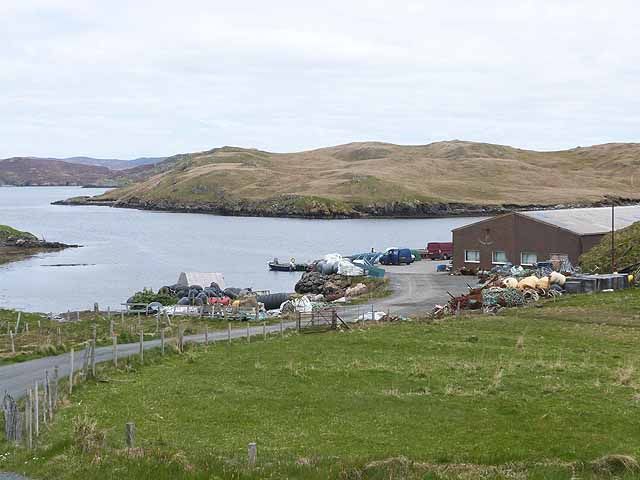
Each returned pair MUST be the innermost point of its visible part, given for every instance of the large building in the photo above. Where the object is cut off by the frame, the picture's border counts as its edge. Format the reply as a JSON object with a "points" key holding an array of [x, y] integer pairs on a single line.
{"points": [[524, 238]]}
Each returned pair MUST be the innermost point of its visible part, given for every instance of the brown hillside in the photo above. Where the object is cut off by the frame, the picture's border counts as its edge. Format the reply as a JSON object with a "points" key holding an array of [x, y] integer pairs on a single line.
{"points": [[349, 176]]}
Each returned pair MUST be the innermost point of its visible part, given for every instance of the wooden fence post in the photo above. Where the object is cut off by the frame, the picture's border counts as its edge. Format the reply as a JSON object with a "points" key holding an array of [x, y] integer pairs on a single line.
{"points": [[130, 434], [252, 453], [13, 343], [281, 328], [141, 346], [45, 401], [162, 341], [114, 348], [18, 322], [49, 395], [71, 372], [229, 332], [264, 330], [248, 333], [28, 414], [36, 410], [55, 386], [93, 352]]}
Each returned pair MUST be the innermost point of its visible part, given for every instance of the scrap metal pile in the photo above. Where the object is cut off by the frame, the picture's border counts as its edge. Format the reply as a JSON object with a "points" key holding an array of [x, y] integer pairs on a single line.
{"points": [[500, 292]]}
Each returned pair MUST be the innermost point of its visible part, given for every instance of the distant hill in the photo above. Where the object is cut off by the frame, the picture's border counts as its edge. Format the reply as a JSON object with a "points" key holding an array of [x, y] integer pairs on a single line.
{"points": [[114, 164], [382, 179], [74, 171], [37, 171]]}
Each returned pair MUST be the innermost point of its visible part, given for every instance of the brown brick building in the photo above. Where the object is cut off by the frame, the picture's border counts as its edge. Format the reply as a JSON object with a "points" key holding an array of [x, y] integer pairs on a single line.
{"points": [[524, 238]]}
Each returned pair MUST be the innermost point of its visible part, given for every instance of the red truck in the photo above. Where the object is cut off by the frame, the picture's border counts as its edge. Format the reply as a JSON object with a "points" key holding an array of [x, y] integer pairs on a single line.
{"points": [[439, 250]]}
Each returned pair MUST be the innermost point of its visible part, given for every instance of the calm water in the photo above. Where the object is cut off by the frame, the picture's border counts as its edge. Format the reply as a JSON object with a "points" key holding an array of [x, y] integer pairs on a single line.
{"points": [[128, 249]]}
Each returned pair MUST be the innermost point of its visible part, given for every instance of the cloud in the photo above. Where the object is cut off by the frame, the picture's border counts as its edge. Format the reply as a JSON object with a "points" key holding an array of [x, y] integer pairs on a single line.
{"points": [[125, 78]]}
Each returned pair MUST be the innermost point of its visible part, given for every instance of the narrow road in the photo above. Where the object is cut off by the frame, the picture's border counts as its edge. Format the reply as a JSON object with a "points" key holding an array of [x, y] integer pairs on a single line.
{"points": [[417, 288]]}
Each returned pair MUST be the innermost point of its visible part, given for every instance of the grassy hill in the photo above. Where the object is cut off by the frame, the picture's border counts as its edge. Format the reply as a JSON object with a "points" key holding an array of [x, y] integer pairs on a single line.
{"points": [[540, 393], [380, 179], [626, 248]]}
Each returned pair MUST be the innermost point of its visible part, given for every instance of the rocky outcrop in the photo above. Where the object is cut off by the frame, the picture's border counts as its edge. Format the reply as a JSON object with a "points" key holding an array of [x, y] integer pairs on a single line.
{"points": [[16, 245]]}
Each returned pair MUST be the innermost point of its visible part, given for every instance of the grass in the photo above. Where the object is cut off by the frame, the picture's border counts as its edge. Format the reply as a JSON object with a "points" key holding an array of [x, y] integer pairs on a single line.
{"points": [[7, 232], [535, 393]]}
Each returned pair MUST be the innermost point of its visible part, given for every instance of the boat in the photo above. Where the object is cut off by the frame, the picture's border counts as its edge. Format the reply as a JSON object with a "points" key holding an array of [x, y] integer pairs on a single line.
{"points": [[292, 266]]}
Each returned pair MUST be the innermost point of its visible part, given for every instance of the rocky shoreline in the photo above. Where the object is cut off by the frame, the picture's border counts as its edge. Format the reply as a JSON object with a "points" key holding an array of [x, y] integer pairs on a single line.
{"points": [[304, 207]]}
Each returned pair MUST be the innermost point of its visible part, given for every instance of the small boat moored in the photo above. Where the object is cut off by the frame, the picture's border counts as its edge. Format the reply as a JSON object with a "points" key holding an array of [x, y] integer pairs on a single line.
{"points": [[292, 266]]}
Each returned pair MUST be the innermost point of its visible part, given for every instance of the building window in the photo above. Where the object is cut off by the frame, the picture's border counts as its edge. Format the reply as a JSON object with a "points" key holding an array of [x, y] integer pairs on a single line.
{"points": [[528, 258], [499, 257], [472, 256]]}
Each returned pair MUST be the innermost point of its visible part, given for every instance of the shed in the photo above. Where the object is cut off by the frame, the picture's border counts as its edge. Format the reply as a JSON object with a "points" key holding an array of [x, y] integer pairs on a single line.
{"points": [[524, 238], [204, 279]]}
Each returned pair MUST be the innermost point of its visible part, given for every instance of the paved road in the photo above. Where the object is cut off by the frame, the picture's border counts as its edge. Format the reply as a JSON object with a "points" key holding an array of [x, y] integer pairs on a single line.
{"points": [[417, 288]]}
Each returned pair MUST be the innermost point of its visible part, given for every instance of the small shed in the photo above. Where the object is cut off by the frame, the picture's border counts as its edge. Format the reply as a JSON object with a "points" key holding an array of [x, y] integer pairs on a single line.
{"points": [[204, 279]]}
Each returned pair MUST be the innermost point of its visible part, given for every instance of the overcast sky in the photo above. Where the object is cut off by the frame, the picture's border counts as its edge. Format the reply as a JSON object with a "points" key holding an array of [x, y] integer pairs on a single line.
{"points": [[123, 79]]}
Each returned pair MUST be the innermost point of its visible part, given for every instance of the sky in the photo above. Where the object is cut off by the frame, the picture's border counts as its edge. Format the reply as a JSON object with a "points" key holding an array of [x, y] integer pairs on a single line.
{"points": [[124, 79]]}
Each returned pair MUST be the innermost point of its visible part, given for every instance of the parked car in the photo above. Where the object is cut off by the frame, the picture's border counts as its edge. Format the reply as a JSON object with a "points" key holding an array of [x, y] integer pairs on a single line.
{"points": [[439, 250], [397, 256]]}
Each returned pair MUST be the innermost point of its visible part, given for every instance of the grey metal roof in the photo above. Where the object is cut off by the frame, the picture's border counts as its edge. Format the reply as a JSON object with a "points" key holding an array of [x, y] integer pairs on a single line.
{"points": [[588, 221]]}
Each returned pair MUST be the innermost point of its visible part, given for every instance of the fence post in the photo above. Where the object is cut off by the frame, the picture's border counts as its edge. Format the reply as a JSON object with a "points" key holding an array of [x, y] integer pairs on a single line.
{"points": [[18, 322], [252, 454], [71, 372], [141, 346], [162, 341], [77, 316], [281, 328], [45, 401], [206, 335], [264, 330], [55, 386], [229, 332], [130, 434], [13, 343], [299, 321], [93, 351], [28, 414], [49, 395], [114, 348], [248, 333], [36, 410]]}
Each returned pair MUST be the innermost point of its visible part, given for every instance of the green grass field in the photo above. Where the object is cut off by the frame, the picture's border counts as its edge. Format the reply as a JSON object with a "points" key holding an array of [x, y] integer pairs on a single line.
{"points": [[534, 393]]}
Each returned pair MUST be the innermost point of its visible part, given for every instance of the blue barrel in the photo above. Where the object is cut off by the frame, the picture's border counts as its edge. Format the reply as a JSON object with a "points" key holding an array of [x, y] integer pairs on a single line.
{"points": [[441, 268]]}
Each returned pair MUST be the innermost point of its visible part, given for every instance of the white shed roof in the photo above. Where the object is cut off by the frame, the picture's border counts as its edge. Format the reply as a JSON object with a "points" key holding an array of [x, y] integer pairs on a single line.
{"points": [[204, 279], [588, 221]]}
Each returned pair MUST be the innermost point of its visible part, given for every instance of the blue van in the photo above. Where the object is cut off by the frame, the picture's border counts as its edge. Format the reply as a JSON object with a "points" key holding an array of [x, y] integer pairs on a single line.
{"points": [[397, 256]]}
